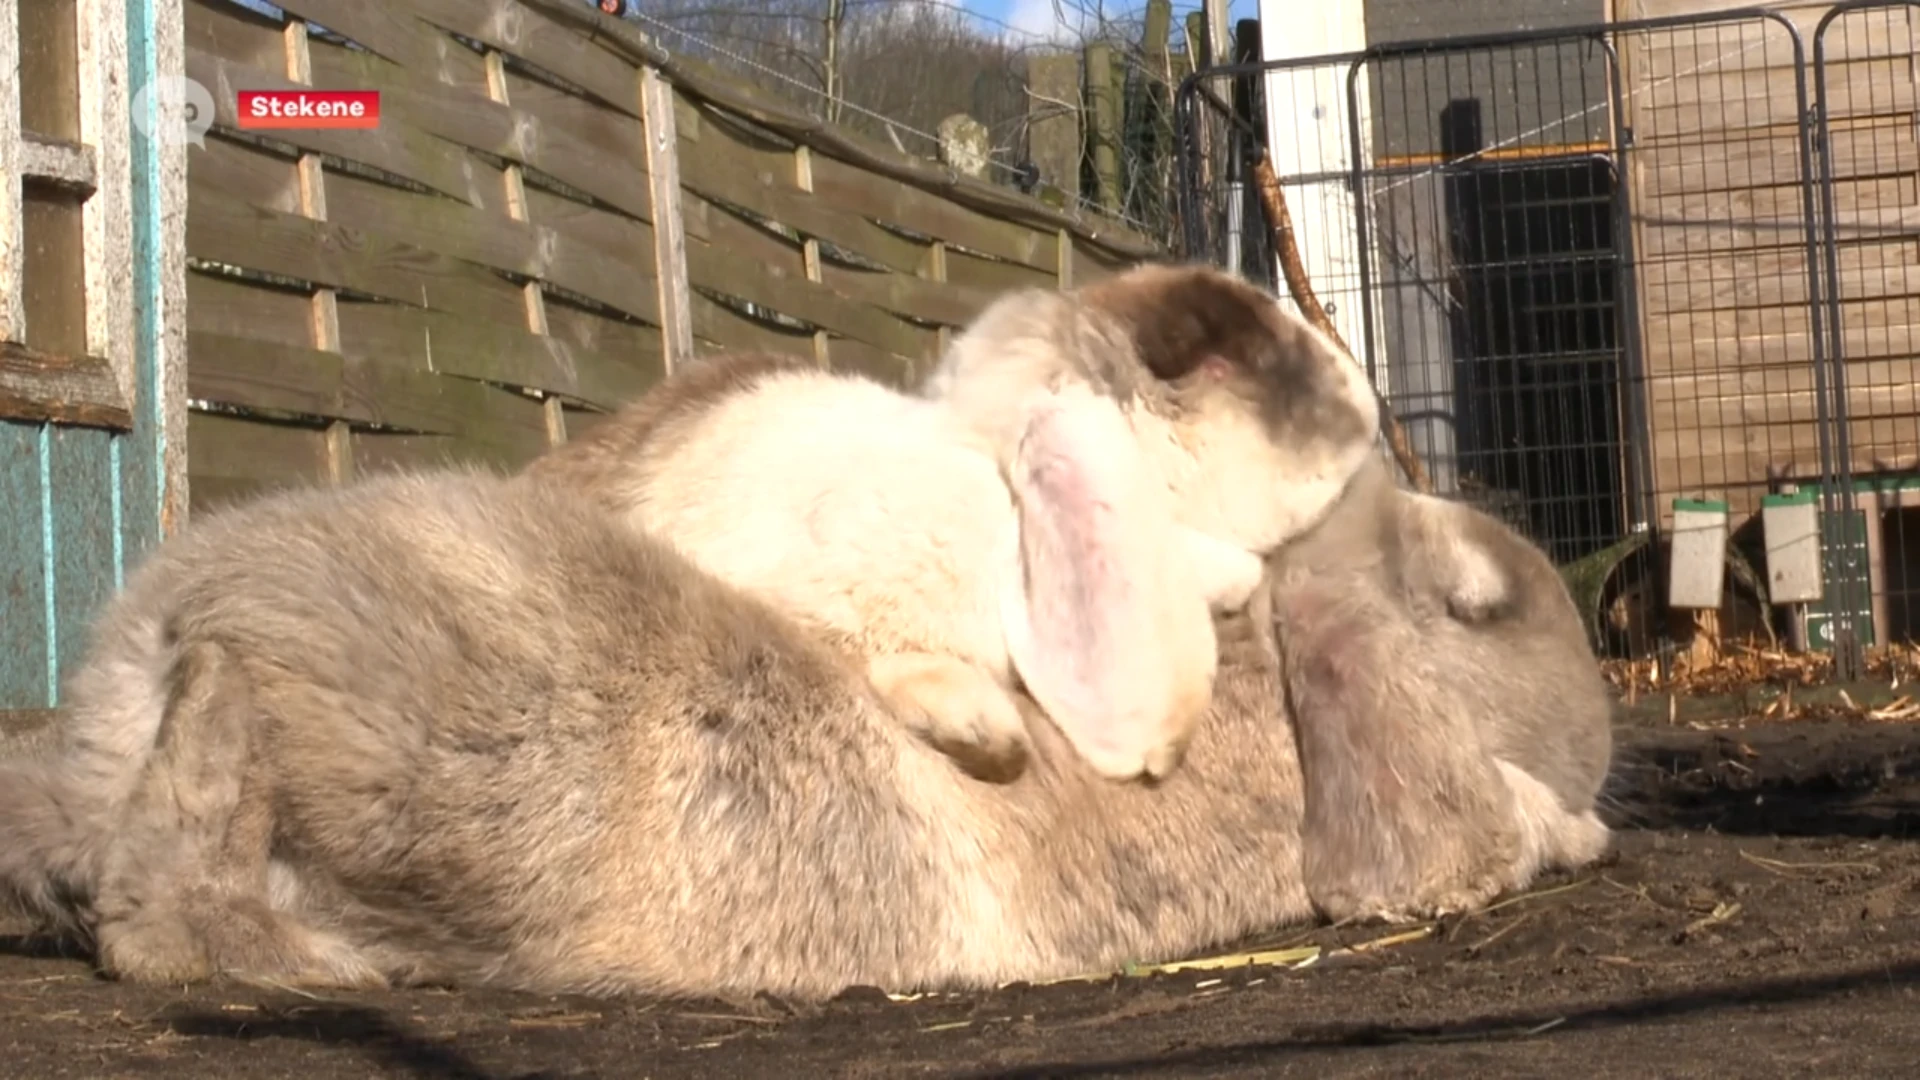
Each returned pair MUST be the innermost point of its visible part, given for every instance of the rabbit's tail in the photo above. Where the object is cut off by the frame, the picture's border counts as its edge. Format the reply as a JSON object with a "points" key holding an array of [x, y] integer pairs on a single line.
{"points": [[59, 801]]}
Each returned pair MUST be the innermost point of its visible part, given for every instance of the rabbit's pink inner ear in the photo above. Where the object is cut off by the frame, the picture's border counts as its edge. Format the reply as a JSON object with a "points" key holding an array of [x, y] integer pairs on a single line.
{"points": [[1082, 632]]}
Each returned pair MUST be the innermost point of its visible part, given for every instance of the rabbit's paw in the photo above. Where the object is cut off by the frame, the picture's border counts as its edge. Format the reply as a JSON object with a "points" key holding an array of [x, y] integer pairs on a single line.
{"points": [[958, 709], [154, 947], [257, 944], [1227, 575], [242, 939], [1454, 899], [1479, 591], [1458, 898]]}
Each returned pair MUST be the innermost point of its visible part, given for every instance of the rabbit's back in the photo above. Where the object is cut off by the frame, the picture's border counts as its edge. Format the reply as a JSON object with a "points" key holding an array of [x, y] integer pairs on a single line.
{"points": [[479, 731], [487, 734], [849, 505]]}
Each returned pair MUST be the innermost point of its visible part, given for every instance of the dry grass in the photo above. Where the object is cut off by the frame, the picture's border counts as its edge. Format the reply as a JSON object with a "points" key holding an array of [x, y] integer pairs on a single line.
{"points": [[1741, 668]]}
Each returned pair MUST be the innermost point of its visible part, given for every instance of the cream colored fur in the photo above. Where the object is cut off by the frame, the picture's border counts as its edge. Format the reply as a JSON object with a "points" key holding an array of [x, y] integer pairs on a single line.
{"points": [[926, 533], [867, 515]]}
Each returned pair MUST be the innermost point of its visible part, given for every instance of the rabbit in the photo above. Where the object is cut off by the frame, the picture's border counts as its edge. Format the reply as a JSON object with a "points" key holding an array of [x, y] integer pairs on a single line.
{"points": [[1433, 659], [458, 728], [1047, 550]]}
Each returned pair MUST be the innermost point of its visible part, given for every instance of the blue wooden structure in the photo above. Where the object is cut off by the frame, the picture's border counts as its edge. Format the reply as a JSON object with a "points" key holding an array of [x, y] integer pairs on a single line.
{"points": [[92, 357]]}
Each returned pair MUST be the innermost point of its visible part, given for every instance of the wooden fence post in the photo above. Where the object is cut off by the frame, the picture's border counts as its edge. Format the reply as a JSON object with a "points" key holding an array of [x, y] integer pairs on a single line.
{"points": [[1157, 96], [1199, 51], [937, 271], [513, 178], [1054, 133], [158, 44], [1100, 101], [13, 244], [324, 319], [669, 230], [810, 251]]}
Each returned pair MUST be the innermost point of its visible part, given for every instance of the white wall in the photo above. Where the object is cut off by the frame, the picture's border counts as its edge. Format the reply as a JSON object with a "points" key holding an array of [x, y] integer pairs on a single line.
{"points": [[1308, 131]]}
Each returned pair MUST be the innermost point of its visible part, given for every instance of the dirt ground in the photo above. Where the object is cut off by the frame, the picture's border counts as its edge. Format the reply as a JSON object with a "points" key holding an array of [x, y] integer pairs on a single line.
{"points": [[1761, 918]]}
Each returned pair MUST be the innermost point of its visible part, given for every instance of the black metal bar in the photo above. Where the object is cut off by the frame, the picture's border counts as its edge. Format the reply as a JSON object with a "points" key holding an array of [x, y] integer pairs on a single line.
{"points": [[1835, 471], [1645, 515], [1499, 40]]}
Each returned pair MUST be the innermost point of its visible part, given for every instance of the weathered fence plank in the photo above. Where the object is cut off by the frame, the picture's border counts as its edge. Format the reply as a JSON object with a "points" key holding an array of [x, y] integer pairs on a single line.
{"points": [[550, 215]]}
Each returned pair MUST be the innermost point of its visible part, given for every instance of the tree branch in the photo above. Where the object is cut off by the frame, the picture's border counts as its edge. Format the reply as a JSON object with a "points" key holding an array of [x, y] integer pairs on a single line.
{"points": [[1280, 221]]}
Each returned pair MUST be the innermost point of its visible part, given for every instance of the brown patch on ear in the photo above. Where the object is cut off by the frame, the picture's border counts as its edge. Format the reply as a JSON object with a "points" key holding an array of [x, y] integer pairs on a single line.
{"points": [[1191, 318], [593, 462], [1188, 317]]}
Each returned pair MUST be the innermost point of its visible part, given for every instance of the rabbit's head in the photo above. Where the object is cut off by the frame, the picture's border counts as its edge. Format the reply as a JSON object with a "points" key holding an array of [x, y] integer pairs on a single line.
{"points": [[1446, 700], [1158, 431], [1252, 417], [1263, 418]]}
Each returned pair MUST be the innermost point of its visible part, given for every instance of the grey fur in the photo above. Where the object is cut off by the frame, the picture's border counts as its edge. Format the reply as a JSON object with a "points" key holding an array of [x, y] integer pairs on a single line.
{"points": [[1424, 644], [454, 727]]}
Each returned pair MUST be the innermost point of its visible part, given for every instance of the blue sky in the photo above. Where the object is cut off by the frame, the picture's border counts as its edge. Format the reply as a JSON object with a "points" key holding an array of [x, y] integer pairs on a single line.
{"points": [[1038, 19], [1030, 20]]}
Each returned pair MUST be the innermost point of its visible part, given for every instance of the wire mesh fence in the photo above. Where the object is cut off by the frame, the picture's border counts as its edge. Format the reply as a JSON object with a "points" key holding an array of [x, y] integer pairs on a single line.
{"points": [[1614, 278], [1869, 180]]}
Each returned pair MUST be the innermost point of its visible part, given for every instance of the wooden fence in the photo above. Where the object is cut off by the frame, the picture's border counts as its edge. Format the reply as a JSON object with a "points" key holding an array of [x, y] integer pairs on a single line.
{"points": [[551, 212]]}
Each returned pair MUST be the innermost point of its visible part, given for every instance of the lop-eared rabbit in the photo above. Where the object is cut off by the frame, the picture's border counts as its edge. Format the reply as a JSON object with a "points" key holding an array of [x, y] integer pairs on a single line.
{"points": [[1445, 691], [459, 728], [1072, 538]]}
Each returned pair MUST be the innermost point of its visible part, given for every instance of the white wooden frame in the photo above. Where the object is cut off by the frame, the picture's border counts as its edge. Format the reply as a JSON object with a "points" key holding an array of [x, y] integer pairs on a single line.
{"points": [[97, 389]]}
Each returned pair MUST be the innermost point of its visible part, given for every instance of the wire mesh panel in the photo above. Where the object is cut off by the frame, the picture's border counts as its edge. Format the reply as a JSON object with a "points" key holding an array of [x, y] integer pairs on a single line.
{"points": [[1726, 242], [1580, 264], [1220, 131], [1494, 277], [1870, 194]]}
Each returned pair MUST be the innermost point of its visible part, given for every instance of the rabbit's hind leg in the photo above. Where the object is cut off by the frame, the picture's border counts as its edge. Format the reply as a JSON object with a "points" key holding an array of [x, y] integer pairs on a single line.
{"points": [[184, 892], [957, 708]]}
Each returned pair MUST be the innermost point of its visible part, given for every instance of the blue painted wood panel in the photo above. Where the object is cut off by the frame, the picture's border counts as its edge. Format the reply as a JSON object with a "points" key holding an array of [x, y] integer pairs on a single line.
{"points": [[80, 507], [143, 459], [85, 534], [65, 542], [24, 646]]}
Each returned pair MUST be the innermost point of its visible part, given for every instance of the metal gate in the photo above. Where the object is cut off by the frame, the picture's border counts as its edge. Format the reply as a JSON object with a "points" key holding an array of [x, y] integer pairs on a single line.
{"points": [[1601, 271], [1869, 160]]}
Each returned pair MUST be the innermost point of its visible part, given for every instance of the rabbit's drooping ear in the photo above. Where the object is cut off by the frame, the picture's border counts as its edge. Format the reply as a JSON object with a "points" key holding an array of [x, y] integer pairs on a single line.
{"points": [[1103, 624]]}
